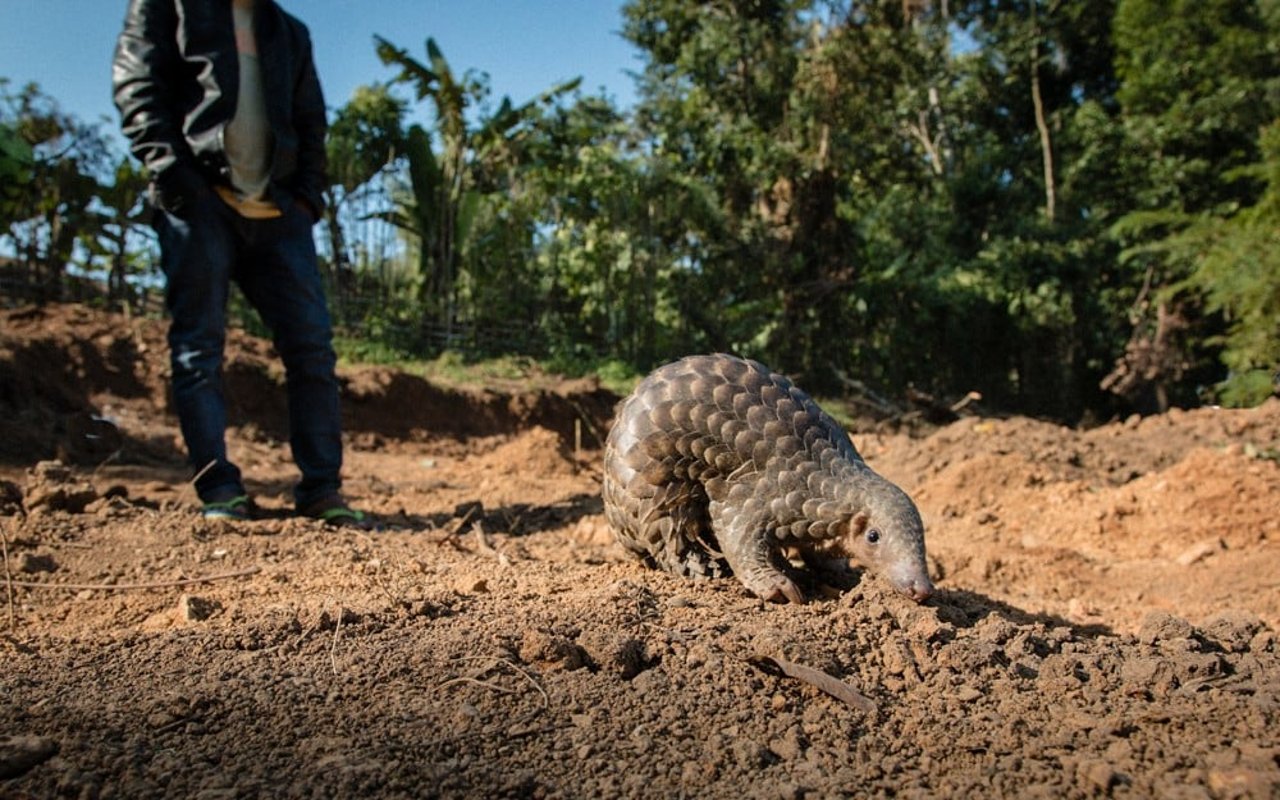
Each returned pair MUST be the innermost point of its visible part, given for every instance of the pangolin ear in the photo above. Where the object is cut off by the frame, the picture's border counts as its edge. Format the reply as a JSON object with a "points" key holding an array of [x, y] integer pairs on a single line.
{"points": [[858, 523]]}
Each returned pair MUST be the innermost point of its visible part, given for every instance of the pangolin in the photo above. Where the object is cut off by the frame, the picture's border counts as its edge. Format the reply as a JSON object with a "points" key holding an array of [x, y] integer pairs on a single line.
{"points": [[717, 465]]}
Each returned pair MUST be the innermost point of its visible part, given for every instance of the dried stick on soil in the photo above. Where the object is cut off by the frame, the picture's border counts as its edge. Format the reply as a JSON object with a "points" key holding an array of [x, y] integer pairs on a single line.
{"points": [[191, 484], [819, 679], [583, 416], [546, 699], [477, 682], [482, 544], [333, 646], [121, 587], [499, 662]]}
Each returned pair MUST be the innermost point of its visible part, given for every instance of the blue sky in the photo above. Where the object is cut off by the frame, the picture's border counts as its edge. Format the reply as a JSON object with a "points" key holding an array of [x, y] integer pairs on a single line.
{"points": [[525, 46]]}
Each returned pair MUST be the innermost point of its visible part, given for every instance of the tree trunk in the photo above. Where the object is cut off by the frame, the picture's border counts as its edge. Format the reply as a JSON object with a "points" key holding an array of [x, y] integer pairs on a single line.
{"points": [[1046, 144]]}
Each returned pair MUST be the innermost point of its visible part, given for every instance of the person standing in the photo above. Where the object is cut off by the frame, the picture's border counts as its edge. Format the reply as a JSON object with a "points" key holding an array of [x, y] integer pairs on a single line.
{"points": [[221, 103]]}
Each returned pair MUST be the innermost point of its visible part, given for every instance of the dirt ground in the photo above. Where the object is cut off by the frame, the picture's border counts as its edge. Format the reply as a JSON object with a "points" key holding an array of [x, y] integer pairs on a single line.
{"points": [[1105, 624]]}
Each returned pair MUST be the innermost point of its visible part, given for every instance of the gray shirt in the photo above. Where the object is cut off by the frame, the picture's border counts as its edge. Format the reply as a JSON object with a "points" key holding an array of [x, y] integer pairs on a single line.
{"points": [[248, 134]]}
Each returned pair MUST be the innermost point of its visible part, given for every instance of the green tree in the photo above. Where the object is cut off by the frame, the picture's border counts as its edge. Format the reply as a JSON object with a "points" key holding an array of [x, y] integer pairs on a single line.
{"points": [[475, 164], [16, 162], [1198, 83], [1237, 272], [51, 212], [762, 265]]}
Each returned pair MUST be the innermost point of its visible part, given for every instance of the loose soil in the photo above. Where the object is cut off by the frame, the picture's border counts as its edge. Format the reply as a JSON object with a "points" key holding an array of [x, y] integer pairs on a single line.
{"points": [[1105, 623]]}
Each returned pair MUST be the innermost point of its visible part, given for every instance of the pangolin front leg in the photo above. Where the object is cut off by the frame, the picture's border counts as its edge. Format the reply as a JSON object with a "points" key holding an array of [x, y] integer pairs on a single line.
{"points": [[749, 554]]}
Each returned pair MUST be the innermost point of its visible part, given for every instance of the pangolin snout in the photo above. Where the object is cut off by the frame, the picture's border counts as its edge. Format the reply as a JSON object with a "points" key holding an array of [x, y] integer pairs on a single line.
{"points": [[917, 587]]}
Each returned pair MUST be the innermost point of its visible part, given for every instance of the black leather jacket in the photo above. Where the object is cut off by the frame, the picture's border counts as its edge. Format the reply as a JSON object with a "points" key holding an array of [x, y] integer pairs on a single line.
{"points": [[176, 76]]}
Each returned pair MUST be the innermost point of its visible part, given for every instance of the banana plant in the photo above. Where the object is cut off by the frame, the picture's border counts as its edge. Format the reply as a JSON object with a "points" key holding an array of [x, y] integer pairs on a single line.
{"points": [[476, 162]]}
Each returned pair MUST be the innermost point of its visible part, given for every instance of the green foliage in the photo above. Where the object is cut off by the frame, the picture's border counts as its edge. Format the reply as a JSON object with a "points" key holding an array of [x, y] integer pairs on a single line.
{"points": [[365, 136], [367, 349], [1238, 272], [16, 162], [62, 161], [467, 178], [1199, 80]]}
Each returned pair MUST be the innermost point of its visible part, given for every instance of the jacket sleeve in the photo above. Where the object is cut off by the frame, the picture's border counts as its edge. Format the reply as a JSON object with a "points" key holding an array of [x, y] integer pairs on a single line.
{"points": [[145, 53], [310, 125]]}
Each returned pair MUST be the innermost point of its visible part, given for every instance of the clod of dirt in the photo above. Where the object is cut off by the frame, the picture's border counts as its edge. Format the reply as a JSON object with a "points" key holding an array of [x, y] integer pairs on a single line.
{"points": [[619, 654], [548, 650], [1233, 630], [196, 609], [1160, 626], [19, 754], [31, 563], [188, 610], [52, 486], [10, 497], [536, 452]]}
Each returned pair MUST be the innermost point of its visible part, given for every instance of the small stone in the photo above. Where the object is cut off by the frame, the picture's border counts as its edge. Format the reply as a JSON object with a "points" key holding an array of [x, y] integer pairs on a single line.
{"points": [[1201, 551], [1098, 774], [32, 563], [196, 609], [471, 584]]}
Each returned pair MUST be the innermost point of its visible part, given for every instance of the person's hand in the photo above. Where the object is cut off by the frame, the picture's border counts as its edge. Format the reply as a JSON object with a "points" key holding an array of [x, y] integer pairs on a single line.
{"points": [[177, 188]]}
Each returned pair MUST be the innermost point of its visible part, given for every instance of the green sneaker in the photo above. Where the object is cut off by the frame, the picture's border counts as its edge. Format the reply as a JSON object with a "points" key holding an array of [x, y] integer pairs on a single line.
{"points": [[238, 509], [334, 511]]}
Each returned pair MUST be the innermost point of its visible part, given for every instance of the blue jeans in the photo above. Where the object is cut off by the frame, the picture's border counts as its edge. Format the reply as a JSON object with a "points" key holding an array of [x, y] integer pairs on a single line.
{"points": [[274, 262]]}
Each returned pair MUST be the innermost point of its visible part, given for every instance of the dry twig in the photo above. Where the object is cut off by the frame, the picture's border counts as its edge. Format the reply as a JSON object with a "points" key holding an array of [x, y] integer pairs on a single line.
{"points": [[333, 646], [820, 680], [191, 484], [482, 544], [477, 682], [494, 663]]}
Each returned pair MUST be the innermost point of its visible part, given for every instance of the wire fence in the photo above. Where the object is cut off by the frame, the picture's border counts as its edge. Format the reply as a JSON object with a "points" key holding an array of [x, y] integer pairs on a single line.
{"points": [[357, 315]]}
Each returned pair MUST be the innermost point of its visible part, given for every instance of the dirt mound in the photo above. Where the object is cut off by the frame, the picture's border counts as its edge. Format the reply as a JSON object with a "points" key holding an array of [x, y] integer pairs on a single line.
{"points": [[1105, 623], [68, 371], [391, 405]]}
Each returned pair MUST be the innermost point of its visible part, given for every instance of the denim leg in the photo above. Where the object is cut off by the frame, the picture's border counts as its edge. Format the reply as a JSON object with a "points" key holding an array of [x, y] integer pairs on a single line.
{"points": [[281, 278], [196, 253]]}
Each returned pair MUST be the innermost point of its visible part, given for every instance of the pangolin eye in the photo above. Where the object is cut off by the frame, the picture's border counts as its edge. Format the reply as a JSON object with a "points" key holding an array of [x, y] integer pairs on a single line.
{"points": [[873, 536]]}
